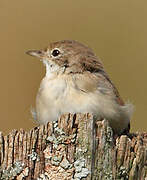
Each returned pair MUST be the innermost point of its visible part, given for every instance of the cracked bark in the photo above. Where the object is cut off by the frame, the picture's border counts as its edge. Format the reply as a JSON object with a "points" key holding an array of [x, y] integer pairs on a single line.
{"points": [[74, 147]]}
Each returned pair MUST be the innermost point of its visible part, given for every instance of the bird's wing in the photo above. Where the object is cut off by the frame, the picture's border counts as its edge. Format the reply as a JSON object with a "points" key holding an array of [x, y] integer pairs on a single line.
{"points": [[90, 82]]}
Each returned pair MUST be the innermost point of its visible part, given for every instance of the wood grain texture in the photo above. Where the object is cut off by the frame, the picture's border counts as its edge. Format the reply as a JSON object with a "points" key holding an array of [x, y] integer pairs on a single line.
{"points": [[74, 147]]}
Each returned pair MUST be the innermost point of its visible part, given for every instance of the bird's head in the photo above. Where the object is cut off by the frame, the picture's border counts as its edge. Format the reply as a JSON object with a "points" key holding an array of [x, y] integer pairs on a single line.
{"points": [[68, 56]]}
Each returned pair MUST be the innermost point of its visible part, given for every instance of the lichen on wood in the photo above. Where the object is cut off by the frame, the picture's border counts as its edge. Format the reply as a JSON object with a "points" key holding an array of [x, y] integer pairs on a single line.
{"points": [[74, 147]]}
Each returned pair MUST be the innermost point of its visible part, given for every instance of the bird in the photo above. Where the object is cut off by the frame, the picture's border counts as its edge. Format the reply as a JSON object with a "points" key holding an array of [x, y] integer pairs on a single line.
{"points": [[76, 82]]}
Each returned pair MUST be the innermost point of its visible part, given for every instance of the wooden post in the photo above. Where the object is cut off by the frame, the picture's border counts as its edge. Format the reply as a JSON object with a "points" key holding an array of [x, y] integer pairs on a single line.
{"points": [[73, 148]]}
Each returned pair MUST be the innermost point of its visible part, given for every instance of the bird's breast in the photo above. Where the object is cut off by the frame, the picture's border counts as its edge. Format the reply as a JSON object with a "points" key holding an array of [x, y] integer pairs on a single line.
{"points": [[59, 91], [60, 94], [53, 89]]}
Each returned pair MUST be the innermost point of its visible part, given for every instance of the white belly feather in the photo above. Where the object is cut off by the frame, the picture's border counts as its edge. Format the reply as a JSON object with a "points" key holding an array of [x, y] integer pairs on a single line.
{"points": [[59, 95]]}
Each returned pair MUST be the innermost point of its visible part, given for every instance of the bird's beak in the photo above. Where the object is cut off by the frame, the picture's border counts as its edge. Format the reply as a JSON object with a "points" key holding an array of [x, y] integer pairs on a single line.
{"points": [[35, 53]]}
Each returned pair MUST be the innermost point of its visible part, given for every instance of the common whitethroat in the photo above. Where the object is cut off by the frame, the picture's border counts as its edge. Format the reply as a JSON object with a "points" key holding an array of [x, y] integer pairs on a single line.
{"points": [[75, 82]]}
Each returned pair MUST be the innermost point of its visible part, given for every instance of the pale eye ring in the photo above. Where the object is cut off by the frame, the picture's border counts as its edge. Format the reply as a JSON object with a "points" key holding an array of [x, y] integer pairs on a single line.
{"points": [[55, 52]]}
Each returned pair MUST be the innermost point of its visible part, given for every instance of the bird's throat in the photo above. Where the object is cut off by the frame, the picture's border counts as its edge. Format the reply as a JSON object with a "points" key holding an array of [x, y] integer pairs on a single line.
{"points": [[52, 68]]}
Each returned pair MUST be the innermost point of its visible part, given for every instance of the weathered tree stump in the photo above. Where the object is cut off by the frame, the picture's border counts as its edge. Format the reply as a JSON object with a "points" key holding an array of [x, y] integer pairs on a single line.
{"points": [[74, 147]]}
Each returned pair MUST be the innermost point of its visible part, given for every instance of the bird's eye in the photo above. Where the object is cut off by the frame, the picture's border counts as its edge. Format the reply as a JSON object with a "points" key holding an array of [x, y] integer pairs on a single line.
{"points": [[55, 52]]}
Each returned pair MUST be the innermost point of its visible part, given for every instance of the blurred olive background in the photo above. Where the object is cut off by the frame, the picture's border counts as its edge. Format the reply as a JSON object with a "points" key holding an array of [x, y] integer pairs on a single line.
{"points": [[116, 30]]}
